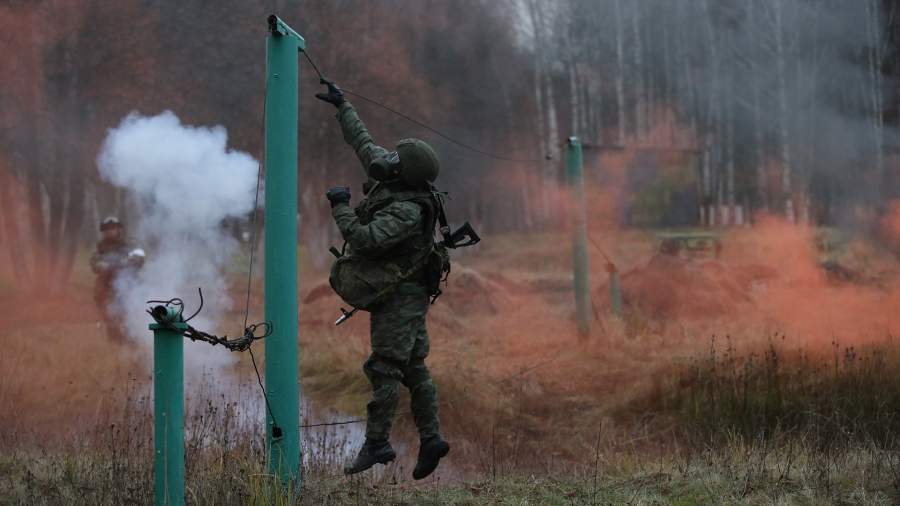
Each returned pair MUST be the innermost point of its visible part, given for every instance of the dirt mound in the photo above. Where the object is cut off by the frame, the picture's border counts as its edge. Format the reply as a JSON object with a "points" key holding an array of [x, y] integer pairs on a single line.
{"points": [[468, 291], [670, 287]]}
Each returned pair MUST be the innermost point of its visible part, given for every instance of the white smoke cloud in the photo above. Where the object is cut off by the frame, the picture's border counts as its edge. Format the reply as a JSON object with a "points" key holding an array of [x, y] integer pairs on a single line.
{"points": [[185, 181]]}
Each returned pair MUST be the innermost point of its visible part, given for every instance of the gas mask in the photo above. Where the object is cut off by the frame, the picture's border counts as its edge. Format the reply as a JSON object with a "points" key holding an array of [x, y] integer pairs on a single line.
{"points": [[386, 167]]}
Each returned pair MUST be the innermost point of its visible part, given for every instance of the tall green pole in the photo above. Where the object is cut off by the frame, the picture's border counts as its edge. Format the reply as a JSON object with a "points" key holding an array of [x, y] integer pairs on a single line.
{"points": [[615, 290], [168, 411], [579, 237], [282, 112]]}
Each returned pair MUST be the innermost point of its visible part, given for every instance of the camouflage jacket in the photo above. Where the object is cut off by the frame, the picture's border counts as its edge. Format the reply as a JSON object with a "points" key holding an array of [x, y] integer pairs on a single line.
{"points": [[112, 256], [392, 221]]}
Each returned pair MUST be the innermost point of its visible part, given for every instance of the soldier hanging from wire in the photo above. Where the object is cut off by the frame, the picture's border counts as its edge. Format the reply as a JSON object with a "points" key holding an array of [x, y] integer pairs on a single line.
{"points": [[115, 256], [390, 243]]}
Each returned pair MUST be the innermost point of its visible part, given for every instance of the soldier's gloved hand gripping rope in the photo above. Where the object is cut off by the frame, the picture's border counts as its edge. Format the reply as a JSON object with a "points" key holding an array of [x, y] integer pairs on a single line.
{"points": [[335, 95]]}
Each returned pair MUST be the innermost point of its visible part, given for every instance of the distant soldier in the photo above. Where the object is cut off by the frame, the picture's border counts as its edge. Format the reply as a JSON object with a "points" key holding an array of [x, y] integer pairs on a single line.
{"points": [[115, 255], [390, 241]]}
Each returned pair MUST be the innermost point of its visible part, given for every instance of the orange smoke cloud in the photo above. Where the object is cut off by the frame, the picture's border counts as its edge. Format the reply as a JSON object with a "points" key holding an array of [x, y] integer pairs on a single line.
{"points": [[890, 224], [775, 277]]}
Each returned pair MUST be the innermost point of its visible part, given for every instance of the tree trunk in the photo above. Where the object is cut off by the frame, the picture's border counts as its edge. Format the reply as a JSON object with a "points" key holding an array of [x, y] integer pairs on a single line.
{"points": [[74, 216], [640, 109], [551, 168], [684, 57], [38, 234], [10, 216], [544, 133], [667, 90], [762, 176], [620, 73], [712, 122], [783, 126], [57, 204], [876, 93], [575, 101], [730, 200]]}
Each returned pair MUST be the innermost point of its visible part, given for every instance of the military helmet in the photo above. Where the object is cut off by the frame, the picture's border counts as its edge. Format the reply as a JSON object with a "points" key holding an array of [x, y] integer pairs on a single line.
{"points": [[109, 223], [419, 163]]}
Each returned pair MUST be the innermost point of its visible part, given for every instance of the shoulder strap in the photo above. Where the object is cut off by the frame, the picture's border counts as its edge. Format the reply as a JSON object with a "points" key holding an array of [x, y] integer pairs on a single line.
{"points": [[442, 218], [438, 198]]}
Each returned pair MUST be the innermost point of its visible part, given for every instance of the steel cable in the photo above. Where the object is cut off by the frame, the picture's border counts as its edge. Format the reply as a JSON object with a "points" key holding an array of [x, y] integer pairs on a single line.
{"points": [[425, 125]]}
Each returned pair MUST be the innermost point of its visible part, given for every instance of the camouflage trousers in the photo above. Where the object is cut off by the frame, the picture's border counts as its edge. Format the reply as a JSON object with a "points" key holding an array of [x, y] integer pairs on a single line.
{"points": [[103, 297], [399, 347]]}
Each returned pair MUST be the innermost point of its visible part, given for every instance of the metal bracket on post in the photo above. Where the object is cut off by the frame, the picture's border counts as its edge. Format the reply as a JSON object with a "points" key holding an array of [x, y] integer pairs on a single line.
{"points": [[279, 28], [580, 267], [168, 406]]}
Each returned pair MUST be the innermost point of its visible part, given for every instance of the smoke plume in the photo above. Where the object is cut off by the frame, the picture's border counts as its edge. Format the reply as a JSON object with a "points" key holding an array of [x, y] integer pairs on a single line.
{"points": [[185, 182]]}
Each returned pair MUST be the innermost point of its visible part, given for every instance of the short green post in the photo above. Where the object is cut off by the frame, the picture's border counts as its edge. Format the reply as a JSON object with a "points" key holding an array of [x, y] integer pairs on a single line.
{"points": [[579, 237], [168, 409], [282, 112]]}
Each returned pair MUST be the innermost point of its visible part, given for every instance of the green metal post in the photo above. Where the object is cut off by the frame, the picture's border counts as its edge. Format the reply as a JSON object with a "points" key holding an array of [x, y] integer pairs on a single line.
{"points": [[282, 112], [168, 413], [579, 237], [615, 291]]}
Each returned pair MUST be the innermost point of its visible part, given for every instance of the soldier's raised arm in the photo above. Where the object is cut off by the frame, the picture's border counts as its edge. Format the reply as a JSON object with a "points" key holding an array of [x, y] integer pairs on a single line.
{"points": [[353, 128], [357, 136]]}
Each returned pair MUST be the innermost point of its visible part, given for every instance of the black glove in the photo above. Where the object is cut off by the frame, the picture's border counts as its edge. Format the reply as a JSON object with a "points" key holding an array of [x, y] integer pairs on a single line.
{"points": [[338, 195], [334, 96]]}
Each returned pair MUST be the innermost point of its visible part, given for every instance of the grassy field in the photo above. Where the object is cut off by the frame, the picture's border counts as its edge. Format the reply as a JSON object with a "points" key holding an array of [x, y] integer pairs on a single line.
{"points": [[788, 396]]}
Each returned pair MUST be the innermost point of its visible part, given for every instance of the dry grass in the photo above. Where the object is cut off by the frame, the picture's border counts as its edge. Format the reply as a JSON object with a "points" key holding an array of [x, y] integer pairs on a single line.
{"points": [[116, 468], [647, 412]]}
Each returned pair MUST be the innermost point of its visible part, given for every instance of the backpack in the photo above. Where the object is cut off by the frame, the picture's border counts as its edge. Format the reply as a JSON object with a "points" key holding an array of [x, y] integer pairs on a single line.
{"points": [[364, 282]]}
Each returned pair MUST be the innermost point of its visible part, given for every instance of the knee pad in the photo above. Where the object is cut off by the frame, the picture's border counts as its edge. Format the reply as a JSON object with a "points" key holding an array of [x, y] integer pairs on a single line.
{"points": [[380, 370], [416, 374]]}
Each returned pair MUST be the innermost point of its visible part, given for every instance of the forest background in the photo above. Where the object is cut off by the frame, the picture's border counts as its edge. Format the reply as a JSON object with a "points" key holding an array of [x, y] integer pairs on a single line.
{"points": [[788, 106], [767, 374]]}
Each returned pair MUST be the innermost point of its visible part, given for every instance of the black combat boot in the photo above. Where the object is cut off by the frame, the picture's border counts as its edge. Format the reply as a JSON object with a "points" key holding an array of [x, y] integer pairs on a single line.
{"points": [[372, 452], [431, 451]]}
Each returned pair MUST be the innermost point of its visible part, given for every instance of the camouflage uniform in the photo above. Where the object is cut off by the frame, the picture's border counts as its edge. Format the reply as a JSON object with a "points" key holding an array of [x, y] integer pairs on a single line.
{"points": [[388, 225]]}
